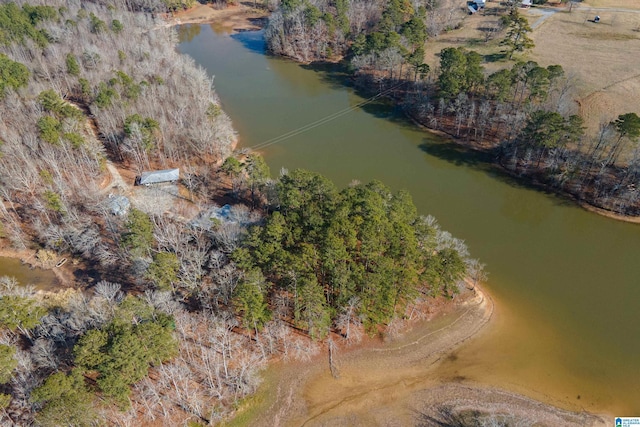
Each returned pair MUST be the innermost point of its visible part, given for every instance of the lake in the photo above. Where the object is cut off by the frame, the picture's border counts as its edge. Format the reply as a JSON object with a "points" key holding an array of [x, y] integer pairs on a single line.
{"points": [[567, 328]]}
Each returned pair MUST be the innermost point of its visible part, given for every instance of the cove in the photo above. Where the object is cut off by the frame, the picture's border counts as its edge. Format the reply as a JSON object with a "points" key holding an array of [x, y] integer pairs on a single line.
{"points": [[25, 275], [567, 328]]}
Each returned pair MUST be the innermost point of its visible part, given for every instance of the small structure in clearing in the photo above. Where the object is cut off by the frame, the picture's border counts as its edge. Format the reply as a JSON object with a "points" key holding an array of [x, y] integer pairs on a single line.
{"points": [[118, 205], [213, 216], [475, 5], [158, 177]]}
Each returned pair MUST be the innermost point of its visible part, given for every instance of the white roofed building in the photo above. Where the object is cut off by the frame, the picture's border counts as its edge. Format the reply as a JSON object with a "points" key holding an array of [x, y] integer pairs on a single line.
{"points": [[158, 177]]}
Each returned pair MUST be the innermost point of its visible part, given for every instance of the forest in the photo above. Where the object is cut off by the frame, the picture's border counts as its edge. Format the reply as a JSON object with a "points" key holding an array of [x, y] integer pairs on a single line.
{"points": [[523, 115], [175, 310]]}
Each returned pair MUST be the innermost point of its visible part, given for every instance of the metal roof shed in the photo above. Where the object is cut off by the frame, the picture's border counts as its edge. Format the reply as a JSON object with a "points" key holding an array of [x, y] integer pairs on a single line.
{"points": [[157, 177]]}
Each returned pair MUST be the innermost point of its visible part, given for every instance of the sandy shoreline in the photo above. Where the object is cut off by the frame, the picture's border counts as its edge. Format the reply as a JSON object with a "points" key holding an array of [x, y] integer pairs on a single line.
{"points": [[241, 17], [395, 383]]}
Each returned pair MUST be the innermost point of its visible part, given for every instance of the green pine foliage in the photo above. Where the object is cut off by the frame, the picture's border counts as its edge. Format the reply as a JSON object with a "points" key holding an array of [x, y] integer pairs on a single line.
{"points": [[53, 201], [105, 95], [460, 71], [19, 24], [145, 127], [12, 74], [7, 362], [97, 25], [65, 400], [138, 237], [250, 300], [50, 129], [5, 400], [73, 68], [21, 313], [517, 38], [116, 26], [52, 103], [628, 125], [163, 271], [122, 351], [324, 247]]}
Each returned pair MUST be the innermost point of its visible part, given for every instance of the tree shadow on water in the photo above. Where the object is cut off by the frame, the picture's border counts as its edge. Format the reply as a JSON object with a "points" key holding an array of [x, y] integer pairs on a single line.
{"points": [[486, 162], [252, 40], [336, 74], [458, 155]]}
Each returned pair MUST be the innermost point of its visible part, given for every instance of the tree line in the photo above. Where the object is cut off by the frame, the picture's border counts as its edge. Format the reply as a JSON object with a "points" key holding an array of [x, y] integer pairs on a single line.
{"points": [[524, 115], [385, 32]]}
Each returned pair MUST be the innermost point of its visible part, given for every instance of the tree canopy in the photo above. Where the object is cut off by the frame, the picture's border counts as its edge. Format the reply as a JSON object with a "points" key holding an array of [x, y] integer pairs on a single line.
{"points": [[18, 24], [460, 71], [123, 350], [517, 38], [325, 247], [12, 74]]}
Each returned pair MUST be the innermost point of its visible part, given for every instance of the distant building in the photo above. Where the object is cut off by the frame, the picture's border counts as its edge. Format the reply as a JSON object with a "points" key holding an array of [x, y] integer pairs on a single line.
{"points": [[158, 177], [475, 5], [118, 205]]}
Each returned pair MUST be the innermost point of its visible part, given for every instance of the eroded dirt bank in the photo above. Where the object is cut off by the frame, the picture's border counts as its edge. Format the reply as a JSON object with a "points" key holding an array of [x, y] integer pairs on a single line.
{"points": [[397, 383]]}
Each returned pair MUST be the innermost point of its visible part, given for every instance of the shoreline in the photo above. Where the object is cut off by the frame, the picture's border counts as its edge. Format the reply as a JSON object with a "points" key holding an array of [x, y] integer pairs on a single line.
{"points": [[533, 182], [380, 382], [63, 274], [244, 17], [240, 17]]}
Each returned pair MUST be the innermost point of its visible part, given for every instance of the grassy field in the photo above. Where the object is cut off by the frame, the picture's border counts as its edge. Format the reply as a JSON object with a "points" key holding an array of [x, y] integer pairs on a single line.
{"points": [[603, 59], [623, 4], [474, 33]]}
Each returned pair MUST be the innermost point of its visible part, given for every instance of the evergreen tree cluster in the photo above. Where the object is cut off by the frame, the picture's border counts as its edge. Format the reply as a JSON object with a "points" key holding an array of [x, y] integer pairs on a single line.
{"points": [[122, 351], [323, 248], [19, 24]]}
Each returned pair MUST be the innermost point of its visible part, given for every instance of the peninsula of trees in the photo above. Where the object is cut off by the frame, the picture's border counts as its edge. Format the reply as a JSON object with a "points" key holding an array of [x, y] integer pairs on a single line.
{"points": [[176, 309], [523, 115]]}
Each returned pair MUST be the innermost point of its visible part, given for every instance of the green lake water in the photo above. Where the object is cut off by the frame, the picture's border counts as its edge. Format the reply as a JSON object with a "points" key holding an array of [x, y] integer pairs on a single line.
{"points": [[567, 328]]}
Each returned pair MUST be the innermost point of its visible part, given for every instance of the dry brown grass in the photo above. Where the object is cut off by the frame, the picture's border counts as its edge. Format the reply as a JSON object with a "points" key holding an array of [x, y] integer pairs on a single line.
{"points": [[240, 16], [622, 4], [604, 58], [470, 35]]}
